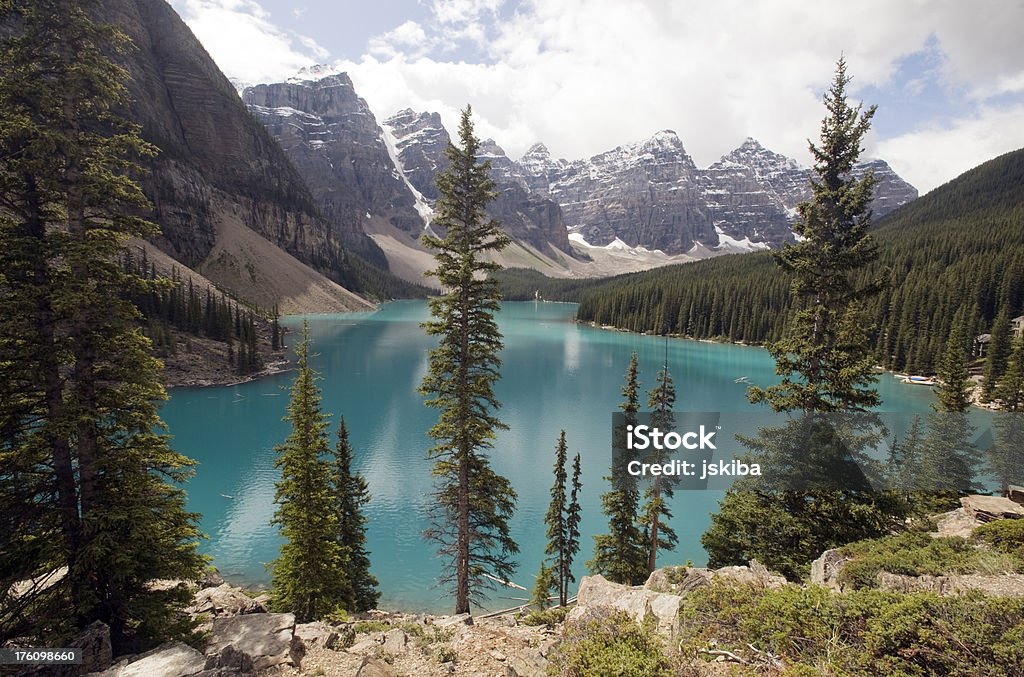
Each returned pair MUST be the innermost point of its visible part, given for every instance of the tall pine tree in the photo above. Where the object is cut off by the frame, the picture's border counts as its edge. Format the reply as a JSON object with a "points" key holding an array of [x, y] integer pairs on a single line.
{"points": [[826, 366], [473, 503], [351, 493], [1006, 457], [655, 512], [308, 576], [562, 521], [88, 482], [621, 555], [999, 348]]}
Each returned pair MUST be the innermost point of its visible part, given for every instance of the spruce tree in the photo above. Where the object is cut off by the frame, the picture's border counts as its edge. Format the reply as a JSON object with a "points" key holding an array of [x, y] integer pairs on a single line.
{"points": [[562, 520], [351, 493], [621, 555], [655, 512], [826, 366], [308, 577], [822, 369], [473, 503], [87, 481]]}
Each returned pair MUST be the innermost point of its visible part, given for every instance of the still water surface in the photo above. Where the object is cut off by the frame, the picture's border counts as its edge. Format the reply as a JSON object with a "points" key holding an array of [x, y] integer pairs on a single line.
{"points": [[556, 374]]}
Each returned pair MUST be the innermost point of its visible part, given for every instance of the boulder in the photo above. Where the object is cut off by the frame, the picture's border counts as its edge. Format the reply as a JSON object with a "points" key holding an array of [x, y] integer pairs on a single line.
{"points": [[955, 523], [527, 664], [756, 575], [173, 659], [211, 578], [230, 660], [395, 642], [371, 667], [224, 600], [1005, 585], [825, 569], [639, 603], [991, 508], [94, 641], [267, 639], [318, 633]]}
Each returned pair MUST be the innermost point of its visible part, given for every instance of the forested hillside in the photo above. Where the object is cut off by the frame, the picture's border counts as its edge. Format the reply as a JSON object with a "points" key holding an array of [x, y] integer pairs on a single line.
{"points": [[962, 245]]}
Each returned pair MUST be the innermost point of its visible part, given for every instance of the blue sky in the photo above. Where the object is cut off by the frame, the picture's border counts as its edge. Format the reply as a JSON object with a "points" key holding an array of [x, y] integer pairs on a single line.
{"points": [[584, 76]]}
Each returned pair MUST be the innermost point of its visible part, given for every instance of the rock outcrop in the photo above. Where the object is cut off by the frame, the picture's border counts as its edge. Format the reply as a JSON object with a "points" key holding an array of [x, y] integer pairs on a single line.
{"points": [[266, 639]]}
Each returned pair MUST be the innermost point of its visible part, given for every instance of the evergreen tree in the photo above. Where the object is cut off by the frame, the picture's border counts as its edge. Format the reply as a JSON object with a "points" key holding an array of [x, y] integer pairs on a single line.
{"points": [[621, 555], [826, 366], [87, 481], [562, 521], [655, 512], [308, 576], [999, 347], [572, 526], [473, 503], [540, 597], [351, 493], [822, 370]]}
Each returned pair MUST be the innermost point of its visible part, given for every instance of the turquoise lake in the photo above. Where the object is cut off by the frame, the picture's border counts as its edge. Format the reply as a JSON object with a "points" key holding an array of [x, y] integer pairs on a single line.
{"points": [[556, 375]]}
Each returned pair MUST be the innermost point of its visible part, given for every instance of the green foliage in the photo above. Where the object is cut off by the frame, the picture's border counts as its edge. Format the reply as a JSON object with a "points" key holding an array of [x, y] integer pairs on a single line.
{"points": [[309, 576], [473, 503], [655, 514], [916, 554], [1004, 535], [549, 617], [87, 480], [612, 646], [621, 554], [999, 348], [351, 493], [817, 631], [543, 584], [562, 519]]}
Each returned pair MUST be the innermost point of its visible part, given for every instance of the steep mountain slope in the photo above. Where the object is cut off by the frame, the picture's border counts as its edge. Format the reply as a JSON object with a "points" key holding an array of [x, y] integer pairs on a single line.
{"points": [[651, 194], [960, 246], [218, 169]]}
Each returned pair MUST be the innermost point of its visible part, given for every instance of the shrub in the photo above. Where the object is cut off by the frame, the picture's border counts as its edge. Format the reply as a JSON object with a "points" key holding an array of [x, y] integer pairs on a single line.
{"points": [[610, 646], [1006, 536], [865, 632], [915, 554], [549, 617]]}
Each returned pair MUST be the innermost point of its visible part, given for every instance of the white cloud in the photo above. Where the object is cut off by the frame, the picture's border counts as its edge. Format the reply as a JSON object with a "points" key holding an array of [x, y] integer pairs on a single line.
{"points": [[247, 45], [586, 75], [934, 155]]}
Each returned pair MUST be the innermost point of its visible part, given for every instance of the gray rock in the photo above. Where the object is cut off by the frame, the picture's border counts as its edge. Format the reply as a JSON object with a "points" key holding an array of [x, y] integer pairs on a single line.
{"points": [[224, 600], [756, 575], [173, 659], [1005, 585], [527, 664], [990, 508], [230, 659], [826, 568], [317, 633], [395, 642], [94, 641], [371, 667], [639, 603], [268, 639], [211, 578], [453, 621]]}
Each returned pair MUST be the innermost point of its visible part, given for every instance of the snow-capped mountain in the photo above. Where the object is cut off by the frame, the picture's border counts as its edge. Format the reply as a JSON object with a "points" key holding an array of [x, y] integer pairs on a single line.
{"points": [[332, 137], [651, 194], [527, 217]]}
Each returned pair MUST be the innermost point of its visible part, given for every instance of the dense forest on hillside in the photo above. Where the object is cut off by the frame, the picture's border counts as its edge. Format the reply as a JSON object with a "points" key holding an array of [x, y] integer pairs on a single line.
{"points": [[962, 245]]}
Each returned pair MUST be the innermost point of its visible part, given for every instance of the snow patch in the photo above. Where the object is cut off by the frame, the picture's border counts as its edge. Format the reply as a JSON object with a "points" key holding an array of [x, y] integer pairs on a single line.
{"points": [[743, 245], [423, 208]]}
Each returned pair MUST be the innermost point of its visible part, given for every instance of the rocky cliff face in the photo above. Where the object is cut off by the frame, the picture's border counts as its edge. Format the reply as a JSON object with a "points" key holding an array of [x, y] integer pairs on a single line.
{"points": [[333, 139], [651, 194], [213, 155], [218, 168], [529, 217]]}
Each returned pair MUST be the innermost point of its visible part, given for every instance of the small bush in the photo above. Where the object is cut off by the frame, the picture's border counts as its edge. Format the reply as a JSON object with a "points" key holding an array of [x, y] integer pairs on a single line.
{"points": [[366, 627], [549, 617], [446, 654], [611, 646], [1006, 536], [865, 632], [915, 554]]}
